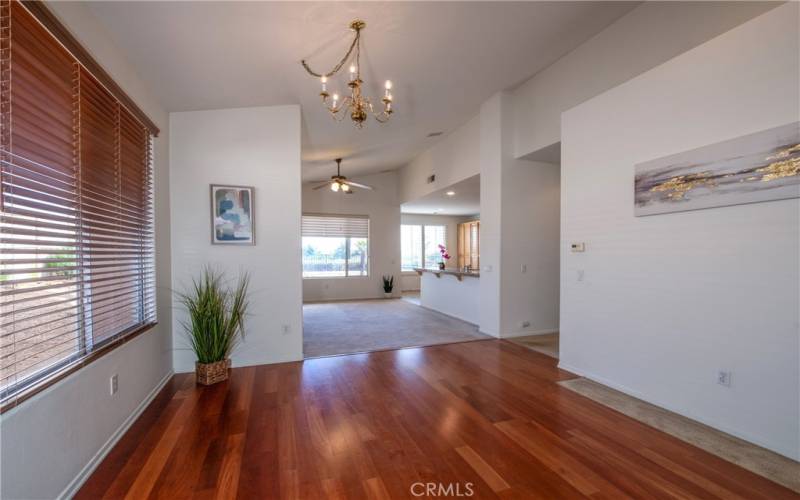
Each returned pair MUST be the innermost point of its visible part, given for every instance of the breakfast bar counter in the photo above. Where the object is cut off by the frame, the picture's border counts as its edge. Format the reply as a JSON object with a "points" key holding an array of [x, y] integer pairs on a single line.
{"points": [[451, 291]]}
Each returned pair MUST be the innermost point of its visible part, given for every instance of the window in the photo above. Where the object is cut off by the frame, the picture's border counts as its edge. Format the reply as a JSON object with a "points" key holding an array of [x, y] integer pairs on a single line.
{"points": [[433, 237], [335, 246], [420, 245], [77, 272], [410, 247]]}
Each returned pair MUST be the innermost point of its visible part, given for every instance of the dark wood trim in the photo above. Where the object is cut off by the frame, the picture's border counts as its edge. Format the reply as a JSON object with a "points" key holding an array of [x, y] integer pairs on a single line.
{"points": [[40, 11], [58, 375]]}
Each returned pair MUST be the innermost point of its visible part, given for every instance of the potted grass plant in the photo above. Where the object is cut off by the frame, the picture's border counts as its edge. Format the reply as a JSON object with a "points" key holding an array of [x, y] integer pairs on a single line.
{"points": [[216, 323], [388, 286]]}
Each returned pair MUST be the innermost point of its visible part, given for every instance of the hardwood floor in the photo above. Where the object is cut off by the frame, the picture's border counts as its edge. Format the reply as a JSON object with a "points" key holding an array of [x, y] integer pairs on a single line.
{"points": [[485, 417]]}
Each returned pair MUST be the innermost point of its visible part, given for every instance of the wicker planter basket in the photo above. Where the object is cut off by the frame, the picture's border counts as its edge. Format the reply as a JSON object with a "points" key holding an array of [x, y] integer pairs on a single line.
{"points": [[211, 373]]}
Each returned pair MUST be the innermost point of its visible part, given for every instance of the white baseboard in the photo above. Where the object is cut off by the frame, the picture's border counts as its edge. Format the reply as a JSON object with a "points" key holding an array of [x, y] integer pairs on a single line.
{"points": [[526, 333], [449, 315], [348, 299], [75, 485], [785, 451]]}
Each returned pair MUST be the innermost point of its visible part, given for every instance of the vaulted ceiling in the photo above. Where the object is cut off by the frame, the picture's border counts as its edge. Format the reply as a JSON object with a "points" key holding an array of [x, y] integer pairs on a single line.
{"points": [[445, 59]]}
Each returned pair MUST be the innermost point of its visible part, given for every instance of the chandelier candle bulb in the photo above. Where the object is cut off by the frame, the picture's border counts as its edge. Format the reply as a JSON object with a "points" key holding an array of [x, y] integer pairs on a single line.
{"points": [[352, 72], [324, 81]]}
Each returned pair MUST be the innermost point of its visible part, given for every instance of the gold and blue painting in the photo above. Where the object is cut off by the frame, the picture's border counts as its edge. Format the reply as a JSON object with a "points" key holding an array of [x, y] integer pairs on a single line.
{"points": [[232, 215], [758, 167]]}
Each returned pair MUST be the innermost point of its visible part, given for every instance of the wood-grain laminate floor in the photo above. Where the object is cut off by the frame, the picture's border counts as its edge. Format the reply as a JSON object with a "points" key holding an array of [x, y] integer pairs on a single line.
{"points": [[484, 417]]}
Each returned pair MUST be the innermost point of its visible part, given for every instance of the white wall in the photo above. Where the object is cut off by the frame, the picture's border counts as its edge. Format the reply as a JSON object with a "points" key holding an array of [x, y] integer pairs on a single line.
{"points": [[531, 201], [514, 124], [494, 151], [257, 147], [668, 300], [459, 299], [519, 226], [649, 35], [51, 443], [410, 280], [383, 209], [454, 158]]}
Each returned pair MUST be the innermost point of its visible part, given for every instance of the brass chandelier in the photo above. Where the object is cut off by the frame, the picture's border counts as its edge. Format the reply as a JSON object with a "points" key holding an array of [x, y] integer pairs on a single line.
{"points": [[356, 104]]}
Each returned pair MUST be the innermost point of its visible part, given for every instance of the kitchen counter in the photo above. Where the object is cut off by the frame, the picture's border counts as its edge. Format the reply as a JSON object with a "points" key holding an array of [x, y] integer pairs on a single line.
{"points": [[453, 272], [457, 297]]}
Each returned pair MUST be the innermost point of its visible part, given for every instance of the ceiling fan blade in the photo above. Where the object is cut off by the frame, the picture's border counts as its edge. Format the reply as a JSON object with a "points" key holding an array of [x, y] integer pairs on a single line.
{"points": [[324, 184], [356, 184]]}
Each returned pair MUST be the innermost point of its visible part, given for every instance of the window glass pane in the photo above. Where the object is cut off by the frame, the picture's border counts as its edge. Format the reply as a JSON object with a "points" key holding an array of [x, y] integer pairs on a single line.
{"points": [[324, 257], [434, 236], [358, 265], [410, 247]]}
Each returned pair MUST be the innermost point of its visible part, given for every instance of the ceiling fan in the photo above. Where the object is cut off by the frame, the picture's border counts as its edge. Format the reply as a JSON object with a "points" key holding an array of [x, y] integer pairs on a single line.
{"points": [[339, 183]]}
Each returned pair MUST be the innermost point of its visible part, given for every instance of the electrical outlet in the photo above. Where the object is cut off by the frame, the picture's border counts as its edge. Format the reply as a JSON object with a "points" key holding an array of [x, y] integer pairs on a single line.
{"points": [[724, 378], [113, 384], [581, 275], [578, 247], [523, 268], [525, 324], [285, 329]]}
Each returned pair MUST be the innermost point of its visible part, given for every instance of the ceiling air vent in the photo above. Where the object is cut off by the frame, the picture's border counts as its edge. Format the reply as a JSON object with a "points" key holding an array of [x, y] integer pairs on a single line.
{"points": [[431, 178]]}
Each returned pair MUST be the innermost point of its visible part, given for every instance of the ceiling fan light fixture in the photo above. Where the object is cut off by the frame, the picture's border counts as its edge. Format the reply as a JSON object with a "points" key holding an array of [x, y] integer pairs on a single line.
{"points": [[340, 183]]}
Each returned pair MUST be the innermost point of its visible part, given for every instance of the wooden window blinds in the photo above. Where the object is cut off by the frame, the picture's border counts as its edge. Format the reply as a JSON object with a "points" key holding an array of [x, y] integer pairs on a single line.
{"points": [[335, 226], [77, 271]]}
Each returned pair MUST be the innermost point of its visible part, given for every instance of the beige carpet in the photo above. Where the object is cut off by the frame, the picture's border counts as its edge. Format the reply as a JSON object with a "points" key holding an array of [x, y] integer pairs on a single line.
{"points": [[545, 344], [331, 328], [412, 297], [761, 461]]}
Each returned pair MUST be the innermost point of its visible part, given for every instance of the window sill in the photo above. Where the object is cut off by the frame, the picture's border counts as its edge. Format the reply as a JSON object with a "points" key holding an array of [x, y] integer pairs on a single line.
{"points": [[67, 370], [333, 277]]}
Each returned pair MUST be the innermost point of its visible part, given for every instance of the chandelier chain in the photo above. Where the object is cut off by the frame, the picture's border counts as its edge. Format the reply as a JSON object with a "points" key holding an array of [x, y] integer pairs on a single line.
{"points": [[341, 63]]}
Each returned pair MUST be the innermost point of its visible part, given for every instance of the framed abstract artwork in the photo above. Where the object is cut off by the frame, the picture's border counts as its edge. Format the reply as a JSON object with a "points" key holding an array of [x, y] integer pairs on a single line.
{"points": [[232, 215], [753, 168]]}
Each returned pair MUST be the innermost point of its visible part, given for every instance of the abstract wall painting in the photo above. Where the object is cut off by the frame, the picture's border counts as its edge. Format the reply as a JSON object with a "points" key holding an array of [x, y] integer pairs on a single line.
{"points": [[763, 166], [232, 215]]}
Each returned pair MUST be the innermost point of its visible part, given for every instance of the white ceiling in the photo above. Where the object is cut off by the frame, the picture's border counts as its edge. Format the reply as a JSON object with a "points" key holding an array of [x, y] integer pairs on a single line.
{"points": [[465, 201], [445, 59]]}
